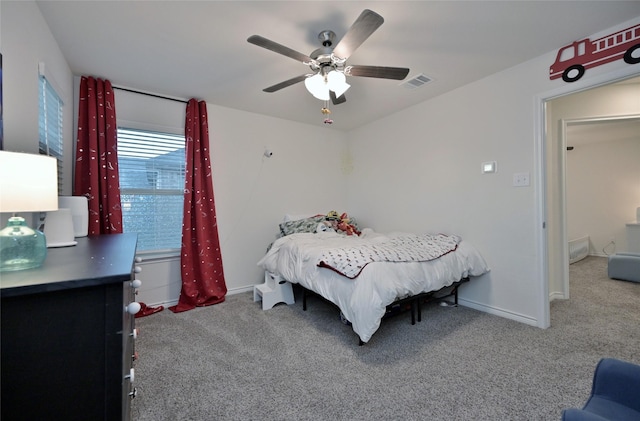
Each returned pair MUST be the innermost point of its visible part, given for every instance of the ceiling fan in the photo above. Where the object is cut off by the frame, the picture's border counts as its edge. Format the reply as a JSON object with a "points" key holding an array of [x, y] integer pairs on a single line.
{"points": [[328, 63]]}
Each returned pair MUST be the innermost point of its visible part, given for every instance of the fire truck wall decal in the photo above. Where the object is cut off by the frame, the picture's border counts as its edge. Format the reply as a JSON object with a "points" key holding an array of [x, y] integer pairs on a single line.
{"points": [[573, 59]]}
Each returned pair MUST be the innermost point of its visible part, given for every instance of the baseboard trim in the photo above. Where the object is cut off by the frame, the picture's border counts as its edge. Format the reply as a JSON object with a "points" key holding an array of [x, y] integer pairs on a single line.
{"points": [[507, 314], [165, 304], [598, 255], [240, 290], [171, 303]]}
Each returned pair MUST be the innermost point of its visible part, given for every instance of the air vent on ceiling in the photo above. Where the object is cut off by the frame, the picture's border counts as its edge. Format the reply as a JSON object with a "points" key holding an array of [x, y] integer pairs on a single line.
{"points": [[416, 81]]}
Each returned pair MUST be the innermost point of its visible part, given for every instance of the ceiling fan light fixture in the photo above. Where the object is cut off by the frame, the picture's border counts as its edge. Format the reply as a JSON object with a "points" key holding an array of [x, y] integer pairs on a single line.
{"points": [[328, 64], [337, 82], [317, 87]]}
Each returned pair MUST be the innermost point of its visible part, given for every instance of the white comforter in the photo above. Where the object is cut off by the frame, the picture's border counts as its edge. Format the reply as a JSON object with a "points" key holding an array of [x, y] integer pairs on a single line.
{"points": [[363, 300]]}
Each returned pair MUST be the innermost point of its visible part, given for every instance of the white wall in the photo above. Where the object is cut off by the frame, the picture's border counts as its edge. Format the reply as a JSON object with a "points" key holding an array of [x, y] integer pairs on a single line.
{"points": [[603, 191], [305, 174], [24, 46], [419, 170], [27, 41]]}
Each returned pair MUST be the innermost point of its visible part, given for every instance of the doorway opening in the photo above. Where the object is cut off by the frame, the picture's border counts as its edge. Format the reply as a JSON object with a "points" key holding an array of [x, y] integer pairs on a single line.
{"points": [[578, 120]]}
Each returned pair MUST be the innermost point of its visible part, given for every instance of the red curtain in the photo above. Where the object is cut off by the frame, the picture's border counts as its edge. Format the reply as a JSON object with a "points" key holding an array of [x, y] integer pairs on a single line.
{"points": [[201, 260], [96, 171]]}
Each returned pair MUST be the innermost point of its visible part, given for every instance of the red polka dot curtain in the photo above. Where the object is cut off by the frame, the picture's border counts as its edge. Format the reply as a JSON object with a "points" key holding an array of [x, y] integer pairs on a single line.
{"points": [[96, 167], [203, 281]]}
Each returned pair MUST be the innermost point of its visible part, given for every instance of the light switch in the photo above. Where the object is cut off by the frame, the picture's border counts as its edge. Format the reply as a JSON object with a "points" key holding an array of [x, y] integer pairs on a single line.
{"points": [[489, 167]]}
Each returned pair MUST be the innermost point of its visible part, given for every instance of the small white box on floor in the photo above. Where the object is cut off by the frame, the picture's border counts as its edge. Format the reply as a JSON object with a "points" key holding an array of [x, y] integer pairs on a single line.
{"points": [[274, 290]]}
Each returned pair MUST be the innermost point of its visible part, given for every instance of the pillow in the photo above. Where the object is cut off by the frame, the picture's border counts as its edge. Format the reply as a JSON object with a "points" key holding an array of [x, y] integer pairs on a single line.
{"points": [[292, 217], [301, 225]]}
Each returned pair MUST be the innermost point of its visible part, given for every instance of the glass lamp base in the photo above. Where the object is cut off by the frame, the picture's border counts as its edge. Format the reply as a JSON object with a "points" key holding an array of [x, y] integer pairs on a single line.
{"points": [[21, 247]]}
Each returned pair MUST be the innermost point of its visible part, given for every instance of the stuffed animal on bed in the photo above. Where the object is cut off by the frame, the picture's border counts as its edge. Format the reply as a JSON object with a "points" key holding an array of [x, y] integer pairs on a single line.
{"points": [[346, 225], [333, 216], [342, 223]]}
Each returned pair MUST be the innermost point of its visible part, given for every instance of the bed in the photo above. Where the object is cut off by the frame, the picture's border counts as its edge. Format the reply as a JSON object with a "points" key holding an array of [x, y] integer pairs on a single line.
{"points": [[330, 263]]}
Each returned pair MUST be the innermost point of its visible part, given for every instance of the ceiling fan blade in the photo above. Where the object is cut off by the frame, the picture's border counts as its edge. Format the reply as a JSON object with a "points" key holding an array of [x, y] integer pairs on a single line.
{"points": [[279, 48], [286, 83], [396, 73], [338, 100], [362, 28]]}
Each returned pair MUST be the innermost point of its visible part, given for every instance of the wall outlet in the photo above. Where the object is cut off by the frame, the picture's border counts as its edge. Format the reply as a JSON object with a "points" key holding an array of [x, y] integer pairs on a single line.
{"points": [[521, 179]]}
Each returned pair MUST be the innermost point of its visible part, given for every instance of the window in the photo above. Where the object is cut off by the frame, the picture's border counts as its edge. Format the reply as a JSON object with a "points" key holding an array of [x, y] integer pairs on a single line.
{"points": [[50, 125], [567, 53], [152, 171]]}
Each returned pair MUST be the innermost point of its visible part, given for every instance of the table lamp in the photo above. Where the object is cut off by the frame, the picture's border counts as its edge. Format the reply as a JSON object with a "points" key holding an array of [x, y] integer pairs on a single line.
{"points": [[28, 183]]}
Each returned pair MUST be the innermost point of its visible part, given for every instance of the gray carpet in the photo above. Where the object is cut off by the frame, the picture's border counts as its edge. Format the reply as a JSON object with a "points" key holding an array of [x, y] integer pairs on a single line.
{"points": [[233, 361]]}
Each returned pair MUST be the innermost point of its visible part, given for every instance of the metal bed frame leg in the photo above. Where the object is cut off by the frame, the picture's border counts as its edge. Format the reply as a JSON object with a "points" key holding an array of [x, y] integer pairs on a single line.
{"points": [[413, 312], [455, 295]]}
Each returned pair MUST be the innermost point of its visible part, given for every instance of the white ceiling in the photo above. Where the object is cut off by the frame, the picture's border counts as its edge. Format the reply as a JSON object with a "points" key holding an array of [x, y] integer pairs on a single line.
{"points": [[198, 49]]}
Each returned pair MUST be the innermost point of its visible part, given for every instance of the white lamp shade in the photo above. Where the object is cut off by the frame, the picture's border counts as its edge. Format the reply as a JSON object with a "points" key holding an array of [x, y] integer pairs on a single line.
{"points": [[28, 182], [337, 82], [317, 86], [341, 89]]}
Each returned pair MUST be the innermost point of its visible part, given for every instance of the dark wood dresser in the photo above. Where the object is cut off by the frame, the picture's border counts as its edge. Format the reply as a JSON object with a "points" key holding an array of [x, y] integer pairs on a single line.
{"points": [[67, 336]]}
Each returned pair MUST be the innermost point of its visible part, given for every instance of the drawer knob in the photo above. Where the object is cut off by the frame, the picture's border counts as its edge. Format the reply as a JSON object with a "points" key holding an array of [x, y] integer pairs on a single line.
{"points": [[131, 376], [136, 283], [133, 308], [138, 259], [137, 269]]}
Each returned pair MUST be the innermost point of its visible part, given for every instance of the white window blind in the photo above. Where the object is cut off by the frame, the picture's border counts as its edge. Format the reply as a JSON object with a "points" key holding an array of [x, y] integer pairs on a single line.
{"points": [[152, 171], [50, 125]]}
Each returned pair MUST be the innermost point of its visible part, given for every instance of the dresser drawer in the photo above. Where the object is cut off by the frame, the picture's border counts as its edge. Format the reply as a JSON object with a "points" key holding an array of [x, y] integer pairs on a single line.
{"points": [[129, 356]]}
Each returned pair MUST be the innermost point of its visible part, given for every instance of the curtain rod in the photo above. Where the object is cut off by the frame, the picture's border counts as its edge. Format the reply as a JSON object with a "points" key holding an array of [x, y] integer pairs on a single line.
{"points": [[148, 94]]}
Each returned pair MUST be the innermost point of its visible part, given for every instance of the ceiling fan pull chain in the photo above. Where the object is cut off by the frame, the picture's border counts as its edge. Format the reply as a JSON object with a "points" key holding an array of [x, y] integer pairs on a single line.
{"points": [[326, 111]]}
